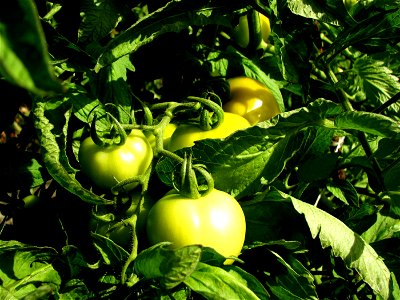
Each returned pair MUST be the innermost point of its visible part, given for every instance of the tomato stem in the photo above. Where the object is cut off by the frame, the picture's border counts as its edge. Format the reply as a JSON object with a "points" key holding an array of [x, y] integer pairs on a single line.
{"points": [[255, 34], [121, 131], [93, 132], [215, 108]]}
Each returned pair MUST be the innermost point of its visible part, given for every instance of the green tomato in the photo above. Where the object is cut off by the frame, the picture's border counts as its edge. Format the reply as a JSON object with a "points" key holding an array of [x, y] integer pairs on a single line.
{"points": [[186, 135], [215, 220], [241, 31], [251, 100], [106, 166], [30, 201]]}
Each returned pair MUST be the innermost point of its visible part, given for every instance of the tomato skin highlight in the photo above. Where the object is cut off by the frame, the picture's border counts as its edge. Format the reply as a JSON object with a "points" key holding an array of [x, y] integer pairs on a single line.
{"points": [[241, 31], [106, 166], [251, 100], [186, 135], [215, 220]]}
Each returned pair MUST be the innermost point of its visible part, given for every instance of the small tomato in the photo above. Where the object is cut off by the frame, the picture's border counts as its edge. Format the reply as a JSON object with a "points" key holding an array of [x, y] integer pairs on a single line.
{"points": [[215, 220], [186, 135], [106, 166], [241, 31], [251, 100]]}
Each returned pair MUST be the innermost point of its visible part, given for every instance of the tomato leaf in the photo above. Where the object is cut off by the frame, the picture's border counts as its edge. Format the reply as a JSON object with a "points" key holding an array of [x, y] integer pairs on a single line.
{"points": [[114, 87], [351, 247], [173, 17], [385, 227], [170, 266], [377, 80], [344, 191], [98, 19], [24, 59], [111, 253], [297, 283], [375, 31], [312, 9], [216, 283], [52, 132], [367, 122], [25, 268]]}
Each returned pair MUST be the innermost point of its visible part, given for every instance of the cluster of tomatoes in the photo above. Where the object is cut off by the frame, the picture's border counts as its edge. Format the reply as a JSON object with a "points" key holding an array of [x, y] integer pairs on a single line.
{"points": [[215, 219]]}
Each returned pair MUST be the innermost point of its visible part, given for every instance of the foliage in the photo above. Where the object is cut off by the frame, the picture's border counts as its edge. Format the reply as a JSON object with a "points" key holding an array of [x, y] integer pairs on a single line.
{"points": [[318, 183]]}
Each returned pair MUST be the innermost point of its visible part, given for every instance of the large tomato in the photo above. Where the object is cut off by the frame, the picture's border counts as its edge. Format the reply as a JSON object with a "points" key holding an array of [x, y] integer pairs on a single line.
{"points": [[241, 31], [215, 220], [186, 135], [251, 100], [106, 166]]}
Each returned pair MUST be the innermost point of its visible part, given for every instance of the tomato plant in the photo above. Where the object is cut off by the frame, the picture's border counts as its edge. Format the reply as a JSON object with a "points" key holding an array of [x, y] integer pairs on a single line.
{"points": [[108, 165], [241, 31], [328, 162], [215, 220], [186, 135], [250, 99]]}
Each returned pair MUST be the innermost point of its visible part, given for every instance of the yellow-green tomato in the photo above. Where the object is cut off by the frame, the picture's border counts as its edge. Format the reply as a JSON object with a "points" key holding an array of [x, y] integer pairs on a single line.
{"points": [[241, 31], [109, 165], [215, 220], [251, 99], [186, 135]]}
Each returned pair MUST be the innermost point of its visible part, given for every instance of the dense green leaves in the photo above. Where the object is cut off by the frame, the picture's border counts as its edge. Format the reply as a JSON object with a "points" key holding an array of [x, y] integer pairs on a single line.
{"points": [[318, 183], [24, 60], [23, 268]]}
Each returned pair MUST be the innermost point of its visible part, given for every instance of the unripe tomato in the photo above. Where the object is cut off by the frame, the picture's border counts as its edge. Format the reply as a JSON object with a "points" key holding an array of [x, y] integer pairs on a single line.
{"points": [[251, 100], [106, 166], [186, 135], [241, 31], [215, 220]]}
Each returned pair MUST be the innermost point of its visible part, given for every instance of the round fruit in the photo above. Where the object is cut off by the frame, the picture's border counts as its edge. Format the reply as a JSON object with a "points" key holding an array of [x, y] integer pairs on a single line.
{"points": [[215, 220], [109, 165], [186, 135], [241, 31], [251, 100]]}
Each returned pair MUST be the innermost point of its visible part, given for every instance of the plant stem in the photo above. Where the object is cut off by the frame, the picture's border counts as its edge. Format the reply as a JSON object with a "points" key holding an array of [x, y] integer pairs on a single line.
{"points": [[360, 135]]}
